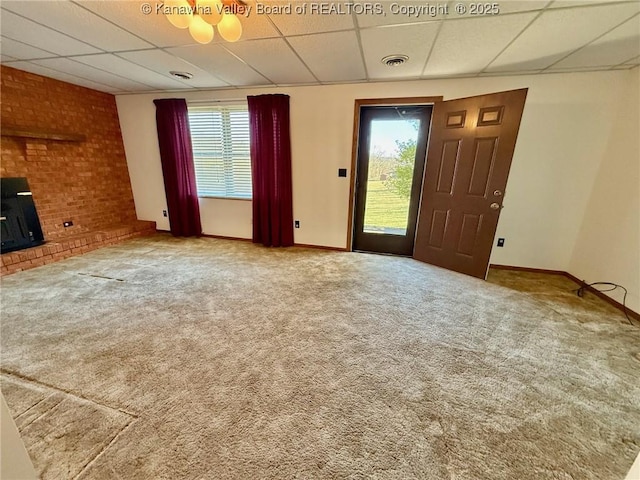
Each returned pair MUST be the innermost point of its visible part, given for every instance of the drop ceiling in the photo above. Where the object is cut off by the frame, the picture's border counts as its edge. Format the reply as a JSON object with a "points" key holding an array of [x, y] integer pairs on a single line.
{"points": [[113, 47]]}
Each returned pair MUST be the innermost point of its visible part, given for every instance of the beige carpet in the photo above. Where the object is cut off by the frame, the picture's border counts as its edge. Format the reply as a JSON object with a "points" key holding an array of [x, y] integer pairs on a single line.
{"points": [[163, 358]]}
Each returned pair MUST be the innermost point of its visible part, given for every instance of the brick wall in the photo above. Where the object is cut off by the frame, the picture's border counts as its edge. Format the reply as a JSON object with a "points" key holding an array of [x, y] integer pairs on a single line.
{"points": [[86, 182]]}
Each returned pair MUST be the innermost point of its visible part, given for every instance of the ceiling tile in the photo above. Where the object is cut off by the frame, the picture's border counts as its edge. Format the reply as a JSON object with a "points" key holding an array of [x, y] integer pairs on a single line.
{"points": [[413, 11], [163, 62], [633, 61], [77, 22], [26, 31], [65, 77], [520, 6], [515, 72], [581, 3], [126, 69], [215, 59], [254, 26], [22, 51], [154, 27], [576, 69], [614, 48], [314, 21], [344, 63], [85, 71], [467, 46], [557, 33], [410, 11], [260, 54], [412, 40], [474, 9]]}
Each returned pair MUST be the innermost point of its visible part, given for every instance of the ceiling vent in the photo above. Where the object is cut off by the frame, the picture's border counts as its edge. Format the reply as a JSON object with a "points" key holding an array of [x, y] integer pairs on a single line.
{"points": [[394, 60], [182, 75]]}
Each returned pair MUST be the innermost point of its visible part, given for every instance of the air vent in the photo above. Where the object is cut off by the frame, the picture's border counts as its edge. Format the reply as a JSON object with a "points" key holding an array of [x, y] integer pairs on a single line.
{"points": [[394, 60], [182, 75]]}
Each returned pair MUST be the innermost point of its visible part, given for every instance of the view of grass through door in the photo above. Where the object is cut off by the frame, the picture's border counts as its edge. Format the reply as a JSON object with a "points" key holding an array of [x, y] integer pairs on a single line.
{"points": [[391, 163]]}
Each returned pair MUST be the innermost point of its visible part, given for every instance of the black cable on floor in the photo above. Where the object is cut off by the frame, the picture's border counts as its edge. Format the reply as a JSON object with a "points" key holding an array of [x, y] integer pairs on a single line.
{"points": [[584, 286]]}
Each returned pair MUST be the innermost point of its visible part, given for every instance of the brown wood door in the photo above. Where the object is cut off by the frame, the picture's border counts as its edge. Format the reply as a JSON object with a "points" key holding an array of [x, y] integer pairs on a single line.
{"points": [[470, 149]]}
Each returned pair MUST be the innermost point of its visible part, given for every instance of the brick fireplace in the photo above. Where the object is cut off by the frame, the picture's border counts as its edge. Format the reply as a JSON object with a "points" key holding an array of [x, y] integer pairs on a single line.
{"points": [[66, 141]]}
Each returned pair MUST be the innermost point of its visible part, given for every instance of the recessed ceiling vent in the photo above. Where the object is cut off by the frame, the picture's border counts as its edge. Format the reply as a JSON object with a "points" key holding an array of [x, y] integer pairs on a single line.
{"points": [[182, 75], [394, 60]]}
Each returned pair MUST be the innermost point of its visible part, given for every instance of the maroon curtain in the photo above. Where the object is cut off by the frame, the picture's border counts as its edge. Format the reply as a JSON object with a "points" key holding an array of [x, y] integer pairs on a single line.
{"points": [[271, 170], [176, 154]]}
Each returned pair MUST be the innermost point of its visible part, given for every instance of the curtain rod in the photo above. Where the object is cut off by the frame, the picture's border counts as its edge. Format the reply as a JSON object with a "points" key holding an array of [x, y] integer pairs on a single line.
{"points": [[222, 100]]}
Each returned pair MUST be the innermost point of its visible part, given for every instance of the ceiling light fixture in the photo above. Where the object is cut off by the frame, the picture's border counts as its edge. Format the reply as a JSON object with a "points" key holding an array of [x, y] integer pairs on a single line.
{"points": [[394, 60], [200, 30], [200, 16], [178, 13], [230, 27]]}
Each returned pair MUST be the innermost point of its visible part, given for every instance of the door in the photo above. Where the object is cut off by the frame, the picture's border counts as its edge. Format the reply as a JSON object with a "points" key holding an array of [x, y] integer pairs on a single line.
{"points": [[470, 149], [390, 163]]}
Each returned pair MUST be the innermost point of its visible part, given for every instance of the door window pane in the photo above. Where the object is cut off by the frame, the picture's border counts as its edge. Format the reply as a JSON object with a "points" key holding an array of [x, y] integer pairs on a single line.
{"points": [[392, 153]]}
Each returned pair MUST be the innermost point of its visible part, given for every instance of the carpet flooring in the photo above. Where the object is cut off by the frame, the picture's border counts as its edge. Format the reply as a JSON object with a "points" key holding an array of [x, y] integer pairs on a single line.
{"points": [[164, 358]]}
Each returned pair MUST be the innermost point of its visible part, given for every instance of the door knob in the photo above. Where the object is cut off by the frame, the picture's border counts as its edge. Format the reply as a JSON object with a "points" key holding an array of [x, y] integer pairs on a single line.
{"points": [[494, 206], [497, 193]]}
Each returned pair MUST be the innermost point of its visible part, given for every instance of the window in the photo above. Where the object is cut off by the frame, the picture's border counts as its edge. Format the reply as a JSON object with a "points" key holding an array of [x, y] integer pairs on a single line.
{"points": [[220, 138]]}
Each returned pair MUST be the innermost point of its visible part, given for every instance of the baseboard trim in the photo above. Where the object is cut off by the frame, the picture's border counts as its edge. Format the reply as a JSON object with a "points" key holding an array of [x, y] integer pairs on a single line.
{"points": [[320, 247], [301, 245], [206, 235], [224, 237], [527, 269], [577, 281]]}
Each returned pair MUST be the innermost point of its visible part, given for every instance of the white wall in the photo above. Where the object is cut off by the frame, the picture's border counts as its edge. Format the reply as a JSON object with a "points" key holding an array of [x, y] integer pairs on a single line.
{"points": [[15, 463], [608, 243], [563, 137], [226, 217], [634, 473]]}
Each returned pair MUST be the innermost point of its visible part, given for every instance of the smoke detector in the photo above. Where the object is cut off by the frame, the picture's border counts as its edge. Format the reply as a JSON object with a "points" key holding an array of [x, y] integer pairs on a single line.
{"points": [[394, 60], [182, 75]]}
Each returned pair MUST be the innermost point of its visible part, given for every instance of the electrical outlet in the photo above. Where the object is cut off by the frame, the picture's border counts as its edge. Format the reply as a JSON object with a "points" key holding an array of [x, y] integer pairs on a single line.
{"points": [[68, 223], [501, 242], [296, 224], [164, 213]]}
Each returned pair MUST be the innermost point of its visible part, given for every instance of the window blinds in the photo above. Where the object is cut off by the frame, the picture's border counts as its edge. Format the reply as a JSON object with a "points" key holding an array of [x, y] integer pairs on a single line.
{"points": [[221, 150]]}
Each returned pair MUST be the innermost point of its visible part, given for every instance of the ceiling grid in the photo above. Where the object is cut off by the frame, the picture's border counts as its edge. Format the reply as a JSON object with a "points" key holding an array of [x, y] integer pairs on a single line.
{"points": [[113, 47]]}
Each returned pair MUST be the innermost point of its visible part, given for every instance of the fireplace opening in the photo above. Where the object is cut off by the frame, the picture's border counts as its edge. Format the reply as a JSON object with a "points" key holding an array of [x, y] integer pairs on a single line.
{"points": [[18, 217]]}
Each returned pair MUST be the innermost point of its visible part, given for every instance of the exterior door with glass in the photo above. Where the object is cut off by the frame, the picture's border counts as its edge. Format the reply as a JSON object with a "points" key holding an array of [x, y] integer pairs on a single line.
{"points": [[390, 163]]}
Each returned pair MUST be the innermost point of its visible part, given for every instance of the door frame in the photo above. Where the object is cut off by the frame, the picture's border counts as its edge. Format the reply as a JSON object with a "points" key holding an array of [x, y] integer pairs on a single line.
{"points": [[377, 102]]}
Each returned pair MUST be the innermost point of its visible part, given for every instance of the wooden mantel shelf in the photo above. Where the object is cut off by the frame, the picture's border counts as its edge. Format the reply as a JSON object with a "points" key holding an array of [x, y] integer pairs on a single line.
{"points": [[25, 132]]}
